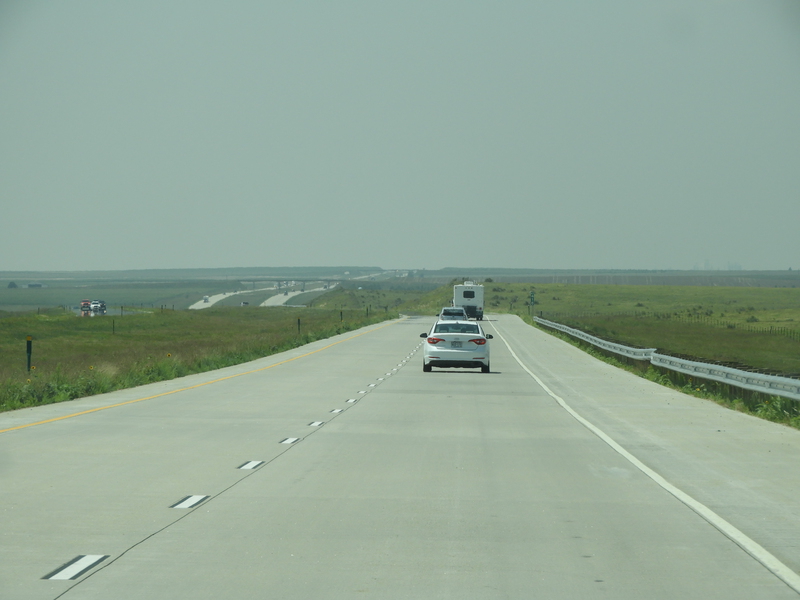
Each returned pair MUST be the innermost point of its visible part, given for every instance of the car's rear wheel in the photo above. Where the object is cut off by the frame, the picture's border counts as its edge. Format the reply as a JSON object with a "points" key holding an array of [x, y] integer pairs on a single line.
{"points": [[426, 368], [485, 369]]}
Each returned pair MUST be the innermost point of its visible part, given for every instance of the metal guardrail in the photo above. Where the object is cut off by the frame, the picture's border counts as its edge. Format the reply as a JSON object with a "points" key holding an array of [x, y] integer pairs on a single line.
{"points": [[626, 351], [756, 382]]}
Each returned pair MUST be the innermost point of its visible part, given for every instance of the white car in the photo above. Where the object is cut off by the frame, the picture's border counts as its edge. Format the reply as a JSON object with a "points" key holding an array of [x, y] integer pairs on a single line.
{"points": [[453, 313], [460, 344]]}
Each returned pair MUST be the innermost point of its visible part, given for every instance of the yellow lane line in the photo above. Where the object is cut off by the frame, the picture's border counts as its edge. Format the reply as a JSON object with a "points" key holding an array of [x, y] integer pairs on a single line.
{"points": [[191, 387]]}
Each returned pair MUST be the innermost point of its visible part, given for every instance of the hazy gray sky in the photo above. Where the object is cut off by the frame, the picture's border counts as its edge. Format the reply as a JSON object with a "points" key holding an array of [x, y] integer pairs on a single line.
{"points": [[577, 134]]}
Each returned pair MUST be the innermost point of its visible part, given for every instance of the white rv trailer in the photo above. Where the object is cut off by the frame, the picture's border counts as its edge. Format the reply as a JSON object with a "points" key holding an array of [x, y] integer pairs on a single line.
{"points": [[470, 297]]}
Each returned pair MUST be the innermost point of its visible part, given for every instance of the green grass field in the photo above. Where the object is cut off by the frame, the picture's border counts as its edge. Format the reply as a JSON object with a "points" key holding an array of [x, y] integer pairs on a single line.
{"points": [[778, 354], [767, 306], [755, 327], [75, 356], [373, 298]]}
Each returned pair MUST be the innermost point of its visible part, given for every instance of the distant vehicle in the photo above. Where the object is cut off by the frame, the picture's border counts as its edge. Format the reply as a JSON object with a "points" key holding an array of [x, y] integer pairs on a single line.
{"points": [[205, 299], [470, 297], [93, 307], [459, 344], [286, 293], [245, 303], [453, 313]]}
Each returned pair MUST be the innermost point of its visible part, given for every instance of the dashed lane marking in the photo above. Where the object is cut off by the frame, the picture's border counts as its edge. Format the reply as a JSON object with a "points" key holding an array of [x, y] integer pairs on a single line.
{"points": [[253, 464], [77, 566], [190, 502]]}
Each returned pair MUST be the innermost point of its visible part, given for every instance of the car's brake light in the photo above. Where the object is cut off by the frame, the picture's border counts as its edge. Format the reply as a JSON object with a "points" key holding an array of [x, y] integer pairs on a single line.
{"points": [[433, 340], [479, 341]]}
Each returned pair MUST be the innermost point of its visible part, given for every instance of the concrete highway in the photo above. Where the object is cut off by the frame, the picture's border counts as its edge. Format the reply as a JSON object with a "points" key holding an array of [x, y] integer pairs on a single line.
{"points": [[341, 470], [212, 300]]}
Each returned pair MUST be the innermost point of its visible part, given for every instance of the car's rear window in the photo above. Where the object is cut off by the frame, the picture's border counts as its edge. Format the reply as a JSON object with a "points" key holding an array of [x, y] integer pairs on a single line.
{"points": [[455, 328]]}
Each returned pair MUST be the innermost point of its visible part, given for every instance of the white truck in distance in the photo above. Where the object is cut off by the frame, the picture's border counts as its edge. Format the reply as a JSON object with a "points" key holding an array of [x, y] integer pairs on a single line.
{"points": [[470, 297]]}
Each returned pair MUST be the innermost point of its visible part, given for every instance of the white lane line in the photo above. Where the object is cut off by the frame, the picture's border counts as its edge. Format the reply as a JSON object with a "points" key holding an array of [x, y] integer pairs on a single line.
{"points": [[352, 400], [362, 391], [189, 502], [253, 464], [753, 548], [337, 410], [77, 566], [381, 378], [289, 440], [372, 384], [316, 424]]}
